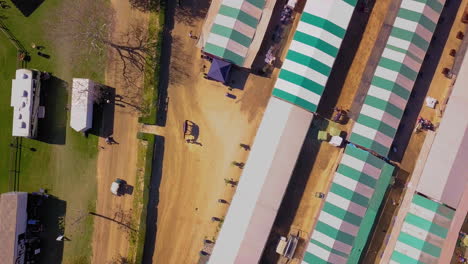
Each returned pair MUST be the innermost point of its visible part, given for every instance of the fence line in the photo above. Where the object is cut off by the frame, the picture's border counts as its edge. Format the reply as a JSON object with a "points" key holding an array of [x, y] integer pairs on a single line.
{"points": [[16, 142]]}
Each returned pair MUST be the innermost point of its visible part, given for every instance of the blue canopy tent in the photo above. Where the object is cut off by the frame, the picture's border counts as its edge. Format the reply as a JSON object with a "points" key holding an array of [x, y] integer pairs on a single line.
{"points": [[219, 70]]}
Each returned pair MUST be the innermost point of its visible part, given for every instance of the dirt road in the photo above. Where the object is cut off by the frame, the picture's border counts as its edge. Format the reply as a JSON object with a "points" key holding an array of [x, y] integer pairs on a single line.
{"points": [[110, 239], [193, 174]]}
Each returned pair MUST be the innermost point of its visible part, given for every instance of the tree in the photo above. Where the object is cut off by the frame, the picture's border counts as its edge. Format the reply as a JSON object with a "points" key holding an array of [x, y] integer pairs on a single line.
{"points": [[88, 24]]}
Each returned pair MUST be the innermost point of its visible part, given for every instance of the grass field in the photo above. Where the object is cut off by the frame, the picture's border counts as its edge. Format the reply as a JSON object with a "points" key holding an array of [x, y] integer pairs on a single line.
{"points": [[64, 162]]}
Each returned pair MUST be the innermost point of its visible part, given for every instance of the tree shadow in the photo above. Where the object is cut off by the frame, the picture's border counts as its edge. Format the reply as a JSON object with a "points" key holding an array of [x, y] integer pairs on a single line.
{"points": [[27, 7], [189, 11], [122, 222], [52, 128], [423, 81], [152, 208], [145, 5], [295, 190], [104, 113], [51, 213]]}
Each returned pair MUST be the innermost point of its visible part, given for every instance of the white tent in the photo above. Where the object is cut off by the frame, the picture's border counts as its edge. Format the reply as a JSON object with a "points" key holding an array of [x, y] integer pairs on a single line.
{"points": [[82, 104], [263, 183]]}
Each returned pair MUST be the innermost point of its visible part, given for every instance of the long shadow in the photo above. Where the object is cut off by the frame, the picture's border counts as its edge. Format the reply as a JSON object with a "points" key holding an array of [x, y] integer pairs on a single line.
{"points": [[152, 208], [385, 219], [52, 128], [344, 59], [126, 225], [104, 113], [27, 7], [423, 82], [166, 52], [51, 213], [145, 5], [294, 191]]}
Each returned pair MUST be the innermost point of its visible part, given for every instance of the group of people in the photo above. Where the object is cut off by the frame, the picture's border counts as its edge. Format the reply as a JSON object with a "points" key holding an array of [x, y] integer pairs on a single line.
{"points": [[286, 15], [425, 124], [270, 57]]}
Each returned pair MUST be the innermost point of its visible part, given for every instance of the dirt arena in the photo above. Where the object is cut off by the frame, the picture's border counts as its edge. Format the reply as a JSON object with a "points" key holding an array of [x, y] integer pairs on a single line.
{"points": [[193, 173]]}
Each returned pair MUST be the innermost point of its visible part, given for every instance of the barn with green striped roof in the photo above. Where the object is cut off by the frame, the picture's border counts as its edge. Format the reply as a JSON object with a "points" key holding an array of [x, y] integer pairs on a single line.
{"points": [[233, 30], [313, 52], [396, 74]]}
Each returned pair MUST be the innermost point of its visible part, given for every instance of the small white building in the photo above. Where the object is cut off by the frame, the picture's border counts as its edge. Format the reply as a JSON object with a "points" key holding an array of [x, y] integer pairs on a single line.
{"points": [[82, 104], [25, 94], [13, 223]]}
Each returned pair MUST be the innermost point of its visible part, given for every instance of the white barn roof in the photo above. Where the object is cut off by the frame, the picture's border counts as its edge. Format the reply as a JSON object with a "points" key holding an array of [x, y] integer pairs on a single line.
{"points": [[82, 104], [22, 102], [262, 185], [444, 177]]}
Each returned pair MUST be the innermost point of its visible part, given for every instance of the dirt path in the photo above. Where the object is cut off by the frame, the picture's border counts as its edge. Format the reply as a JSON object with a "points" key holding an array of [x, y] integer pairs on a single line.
{"points": [[110, 239], [193, 175]]}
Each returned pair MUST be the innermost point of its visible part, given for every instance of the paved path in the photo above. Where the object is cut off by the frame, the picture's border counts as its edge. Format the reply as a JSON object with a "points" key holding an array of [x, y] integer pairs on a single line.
{"points": [[152, 129]]}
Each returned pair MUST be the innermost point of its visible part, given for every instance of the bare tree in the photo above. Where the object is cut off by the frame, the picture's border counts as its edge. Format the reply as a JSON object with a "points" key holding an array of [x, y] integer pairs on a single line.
{"points": [[136, 51], [87, 24], [81, 92]]}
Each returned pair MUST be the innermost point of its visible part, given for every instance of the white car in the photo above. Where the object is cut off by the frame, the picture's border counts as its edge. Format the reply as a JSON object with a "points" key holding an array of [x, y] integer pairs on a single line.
{"points": [[117, 187]]}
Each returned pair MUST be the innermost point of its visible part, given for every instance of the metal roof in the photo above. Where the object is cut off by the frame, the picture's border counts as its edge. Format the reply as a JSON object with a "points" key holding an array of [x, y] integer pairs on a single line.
{"points": [[444, 176], [396, 74], [313, 51], [13, 212], [81, 117], [423, 232], [262, 184], [350, 207]]}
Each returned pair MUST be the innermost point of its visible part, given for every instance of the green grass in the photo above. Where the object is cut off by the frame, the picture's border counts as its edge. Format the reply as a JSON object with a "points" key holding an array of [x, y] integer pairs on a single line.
{"points": [[141, 199], [68, 171], [7, 57], [150, 98], [152, 78]]}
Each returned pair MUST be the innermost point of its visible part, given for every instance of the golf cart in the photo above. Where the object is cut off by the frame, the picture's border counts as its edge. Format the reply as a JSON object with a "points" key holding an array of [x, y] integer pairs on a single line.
{"points": [[118, 187]]}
